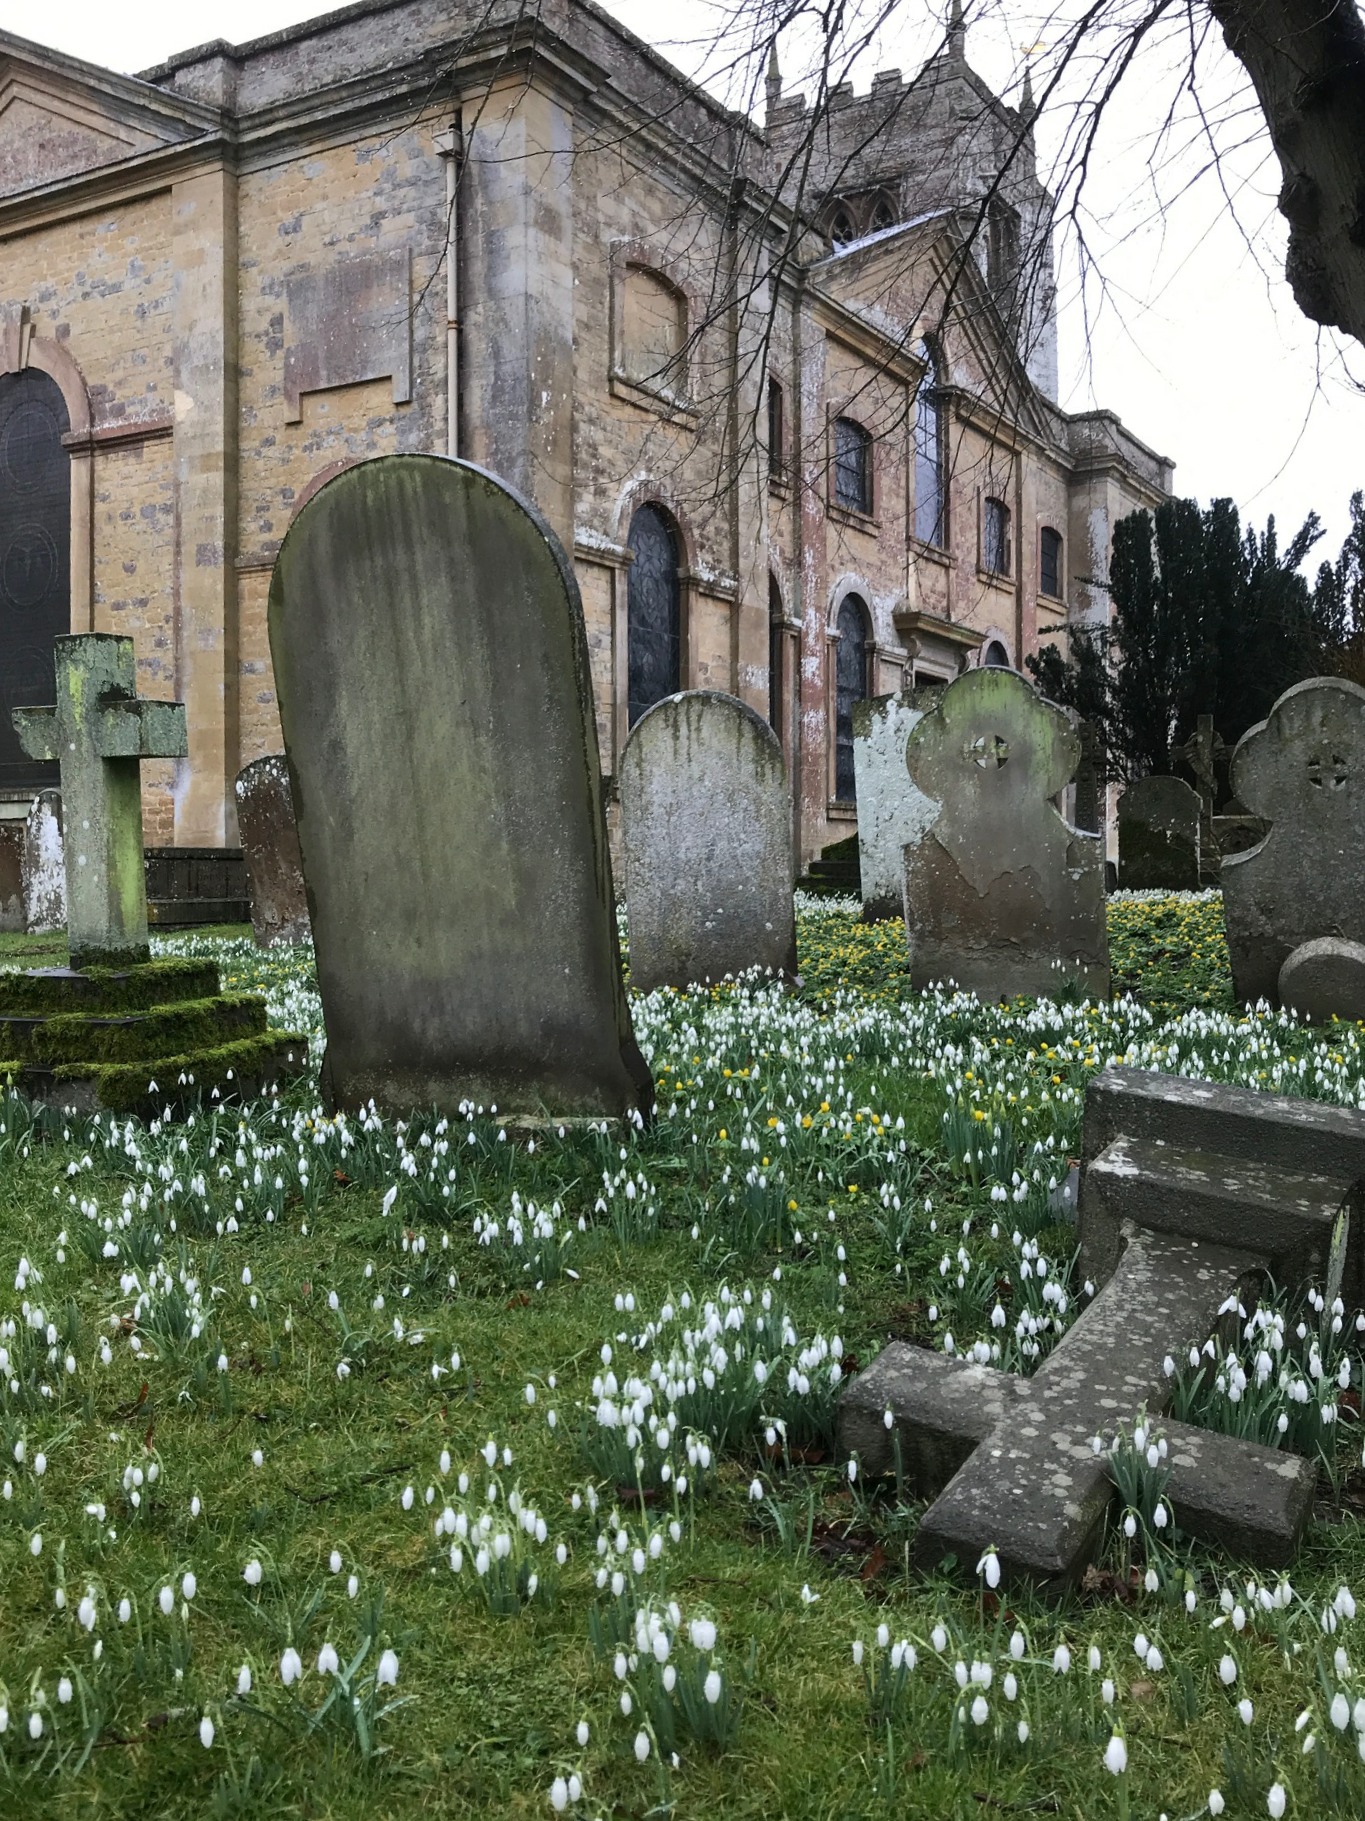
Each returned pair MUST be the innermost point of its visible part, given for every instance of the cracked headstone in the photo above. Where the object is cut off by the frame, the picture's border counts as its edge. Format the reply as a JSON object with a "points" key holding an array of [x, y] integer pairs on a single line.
{"points": [[892, 809], [270, 844], [1002, 895], [706, 823], [1159, 825], [44, 866], [436, 702], [1302, 769], [99, 732]]}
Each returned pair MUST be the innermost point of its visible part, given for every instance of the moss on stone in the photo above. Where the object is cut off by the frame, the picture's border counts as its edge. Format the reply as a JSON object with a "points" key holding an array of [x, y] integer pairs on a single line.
{"points": [[166, 1030], [52, 992], [238, 1069]]}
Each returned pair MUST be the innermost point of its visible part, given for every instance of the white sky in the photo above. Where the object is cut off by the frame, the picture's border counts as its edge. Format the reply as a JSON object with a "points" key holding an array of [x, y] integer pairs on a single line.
{"points": [[1197, 345]]}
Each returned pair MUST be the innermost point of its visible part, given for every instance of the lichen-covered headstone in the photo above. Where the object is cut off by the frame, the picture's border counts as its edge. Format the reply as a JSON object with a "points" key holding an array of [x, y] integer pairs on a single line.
{"points": [[44, 866], [270, 842], [12, 875], [1303, 770], [1159, 823], [432, 670], [706, 820], [1002, 895], [892, 809]]}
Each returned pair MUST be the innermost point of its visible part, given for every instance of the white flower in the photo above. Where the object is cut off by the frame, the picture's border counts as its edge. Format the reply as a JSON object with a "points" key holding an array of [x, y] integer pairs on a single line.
{"points": [[642, 1746], [989, 1565], [1215, 1801], [1116, 1756], [559, 1795], [206, 1732], [334, 1561], [244, 1679], [251, 1574], [189, 1586], [980, 1711], [1022, 1730], [1244, 1709], [291, 1667], [125, 1611], [64, 1690], [711, 1687], [1227, 1671], [387, 1673], [807, 1597], [166, 1600], [327, 1660], [582, 1734], [1061, 1660], [1274, 1801], [703, 1634]]}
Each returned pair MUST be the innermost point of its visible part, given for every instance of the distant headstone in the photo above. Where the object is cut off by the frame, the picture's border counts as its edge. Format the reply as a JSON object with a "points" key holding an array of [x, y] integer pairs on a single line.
{"points": [[892, 809], [270, 842], [1159, 821], [44, 866], [1325, 979], [432, 670], [1001, 894], [1202, 753], [1088, 814], [706, 821], [1303, 770], [99, 732], [12, 875]]}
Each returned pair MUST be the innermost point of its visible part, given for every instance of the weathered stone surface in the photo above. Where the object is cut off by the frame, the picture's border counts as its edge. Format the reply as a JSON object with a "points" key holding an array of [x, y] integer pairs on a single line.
{"points": [[44, 866], [892, 809], [1325, 979], [12, 875], [1159, 836], [1303, 770], [270, 841], [1001, 895], [99, 732], [706, 820], [429, 651]]}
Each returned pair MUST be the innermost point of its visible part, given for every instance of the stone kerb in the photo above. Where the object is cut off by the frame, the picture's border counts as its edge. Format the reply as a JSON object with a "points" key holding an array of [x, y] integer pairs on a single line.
{"points": [[706, 824], [1302, 770], [270, 843], [432, 670], [892, 810], [1002, 895], [1158, 822]]}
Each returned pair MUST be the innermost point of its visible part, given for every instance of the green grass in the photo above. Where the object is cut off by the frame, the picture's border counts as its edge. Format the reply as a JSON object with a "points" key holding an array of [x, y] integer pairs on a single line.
{"points": [[791, 1100]]}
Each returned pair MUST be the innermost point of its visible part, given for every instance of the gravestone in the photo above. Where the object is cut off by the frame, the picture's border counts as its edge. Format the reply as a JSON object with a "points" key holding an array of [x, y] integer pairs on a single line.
{"points": [[892, 809], [434, 690], [12, 875], [1325, 979], [1191, 1192], [1002, 895], [1303, 770], [44, 866], [270, 841], [1159, 827], [1088, 812], [706, 823], [99, 732]]}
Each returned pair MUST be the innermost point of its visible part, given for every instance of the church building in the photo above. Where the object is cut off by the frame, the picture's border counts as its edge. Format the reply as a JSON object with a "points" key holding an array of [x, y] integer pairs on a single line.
{"points": [[785, 389]]}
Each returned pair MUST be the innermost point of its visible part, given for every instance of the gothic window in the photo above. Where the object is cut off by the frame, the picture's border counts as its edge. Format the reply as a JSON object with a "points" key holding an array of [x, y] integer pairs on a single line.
{"points": [[777, 430], [653, 611], [776, 635], [852, 466], [1050, 563], [841, 228], [995, 657], [1002, 248], [995, 537], [850, 686], [883, 215], [653, 331], [35, 558], [929, 463]]}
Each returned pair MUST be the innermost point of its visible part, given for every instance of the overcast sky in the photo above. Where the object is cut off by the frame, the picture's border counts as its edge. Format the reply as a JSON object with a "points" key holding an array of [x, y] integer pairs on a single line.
{"points": [[1197, 343]]}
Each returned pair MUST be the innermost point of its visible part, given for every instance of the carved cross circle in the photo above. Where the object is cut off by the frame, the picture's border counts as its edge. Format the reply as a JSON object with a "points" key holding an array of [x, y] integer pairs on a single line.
{"points": [[1327, 771], [988, 751]]}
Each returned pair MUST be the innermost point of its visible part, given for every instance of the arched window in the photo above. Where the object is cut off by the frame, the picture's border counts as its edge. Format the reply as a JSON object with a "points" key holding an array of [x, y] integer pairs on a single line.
{"points": [[653, 611], [850, 686], [995, 537], [776, 637], [653, 330], [929, 466], [35, 558], [841, 228], [995, 657], [777, 432], [852, 466], [1050, 562], [883, 215]]}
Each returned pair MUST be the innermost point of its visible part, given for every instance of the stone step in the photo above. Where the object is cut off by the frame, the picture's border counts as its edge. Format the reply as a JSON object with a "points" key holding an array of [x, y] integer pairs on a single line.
{"points": [[163, 1030], [46, 992], [237, 1070], [1285, 1216]]}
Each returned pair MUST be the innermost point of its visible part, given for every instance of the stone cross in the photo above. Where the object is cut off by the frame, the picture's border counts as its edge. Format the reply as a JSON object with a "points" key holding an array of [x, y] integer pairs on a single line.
{"points": [[1201, 752], [99, 732]]}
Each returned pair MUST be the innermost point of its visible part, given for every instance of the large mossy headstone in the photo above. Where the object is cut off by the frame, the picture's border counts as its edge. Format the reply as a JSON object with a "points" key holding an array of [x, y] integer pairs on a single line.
{"points": [[432, 669]]}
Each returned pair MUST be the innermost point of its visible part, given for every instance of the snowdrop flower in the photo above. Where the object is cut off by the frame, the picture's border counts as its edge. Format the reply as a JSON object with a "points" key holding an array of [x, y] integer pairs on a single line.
{"points": [[559, 1795], [244, 1680], [387, 1674], [251, 1574], [1116, 1756], [1022, 1730], [1227, 1671], [642, 1747], [125, 1611], [85, 1612], [206, 1732], [1244, 1708], [1274, 1801], [582, 1734], [35, 1726], [327, 1661], [711, 1687], [1094, 1659], [755, 1489], [980, 1711], [938, 1637], [1216, 1802], [1107, 1691], [291, 1667], [257, 1458], [166, 1600], [989, 1565], [64, 1690], [189, 1586], [807, 1597], [1155, 1661], [857, 1653], [703, 1634], [352, 1586], [35, 1543], [334, 1561], [1061, 1660]]}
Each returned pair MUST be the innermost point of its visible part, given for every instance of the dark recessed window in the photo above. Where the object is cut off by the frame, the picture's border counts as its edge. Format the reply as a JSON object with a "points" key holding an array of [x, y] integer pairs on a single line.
{"points": [[777, 466], [883, 215], [653, 610], [852, 466], [1050, 562], [841, 228], [995, 657], [850, 686], [995, 538], [929, 464], [775, 641]]}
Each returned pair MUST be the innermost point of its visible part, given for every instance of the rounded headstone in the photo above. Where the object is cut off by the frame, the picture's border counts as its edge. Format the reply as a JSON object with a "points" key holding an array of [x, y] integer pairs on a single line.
{"points": [[1325, 979], [270, 842]]}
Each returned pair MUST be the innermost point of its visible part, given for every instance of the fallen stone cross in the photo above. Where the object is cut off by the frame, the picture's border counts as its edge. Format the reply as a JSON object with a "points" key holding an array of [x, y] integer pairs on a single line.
{"points": [[1190, 1192]]}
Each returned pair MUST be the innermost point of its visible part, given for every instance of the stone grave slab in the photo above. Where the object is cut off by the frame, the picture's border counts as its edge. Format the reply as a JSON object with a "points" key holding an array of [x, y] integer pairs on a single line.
{"points": [[1001, 894], [12, 875], [1159, 821], [1325, 979], [44, 866], [706, 823], [270, 841], [1302, 769], [436, 702], [892, 809]]}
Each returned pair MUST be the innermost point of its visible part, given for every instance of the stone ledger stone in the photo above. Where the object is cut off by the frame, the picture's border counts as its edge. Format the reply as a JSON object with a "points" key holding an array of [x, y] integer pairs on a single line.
{"points": [[270, 841], [12, 875], [892, 810], [1325, 979], [430, 658], [706, 821], [1159, 821], [44, 866], [1002, 895], [1303, 770]]}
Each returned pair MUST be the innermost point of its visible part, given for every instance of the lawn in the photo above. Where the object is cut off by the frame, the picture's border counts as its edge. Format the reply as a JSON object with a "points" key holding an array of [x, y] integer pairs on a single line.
{"points": [[363, 1468]]}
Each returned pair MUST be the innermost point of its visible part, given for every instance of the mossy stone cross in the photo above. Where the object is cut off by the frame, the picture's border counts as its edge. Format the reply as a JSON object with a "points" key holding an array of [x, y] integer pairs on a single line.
{"points": [[99, 732]]}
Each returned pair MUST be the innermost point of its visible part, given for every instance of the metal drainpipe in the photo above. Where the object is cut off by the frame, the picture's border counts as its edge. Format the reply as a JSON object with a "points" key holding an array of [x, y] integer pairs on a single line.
{"points": [[450, 145]]}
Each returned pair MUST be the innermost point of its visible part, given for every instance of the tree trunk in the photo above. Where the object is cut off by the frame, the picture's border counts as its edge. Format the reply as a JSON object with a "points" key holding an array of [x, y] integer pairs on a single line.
{"points": [[1306, 60]]}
